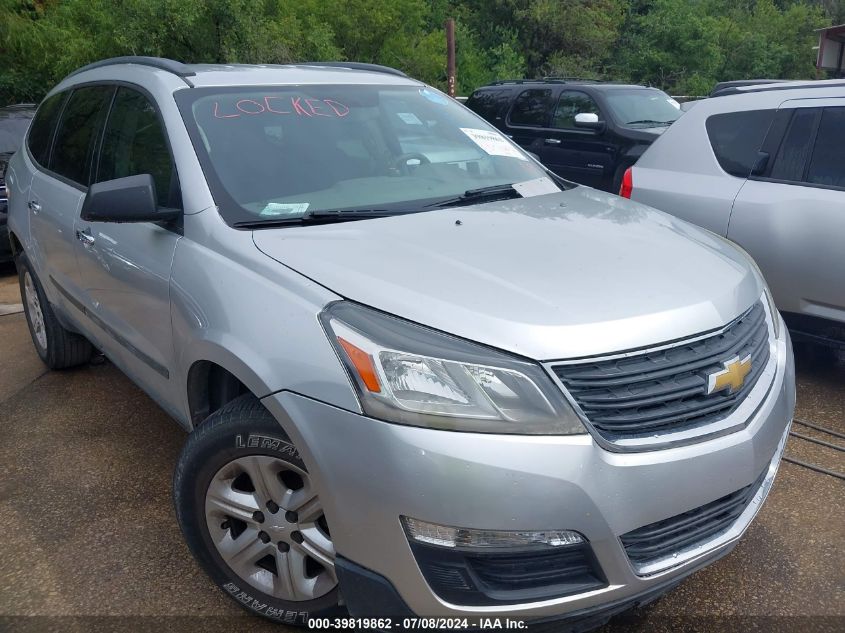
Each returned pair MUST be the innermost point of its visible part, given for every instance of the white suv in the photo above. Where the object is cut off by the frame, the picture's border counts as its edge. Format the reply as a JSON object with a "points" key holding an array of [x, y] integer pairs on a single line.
{"points": [[765, 167]]}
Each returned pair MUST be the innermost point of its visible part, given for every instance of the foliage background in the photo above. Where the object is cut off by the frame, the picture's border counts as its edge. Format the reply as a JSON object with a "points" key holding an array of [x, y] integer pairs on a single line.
{"points": [[682, 46]]}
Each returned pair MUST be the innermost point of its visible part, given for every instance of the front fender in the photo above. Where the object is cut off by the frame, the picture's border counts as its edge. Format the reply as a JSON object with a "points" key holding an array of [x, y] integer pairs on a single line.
{"points": [[257, 319]]}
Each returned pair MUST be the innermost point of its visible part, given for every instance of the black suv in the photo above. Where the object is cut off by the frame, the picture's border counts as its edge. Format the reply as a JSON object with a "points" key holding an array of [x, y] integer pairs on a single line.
{"points": [[586, 131]]}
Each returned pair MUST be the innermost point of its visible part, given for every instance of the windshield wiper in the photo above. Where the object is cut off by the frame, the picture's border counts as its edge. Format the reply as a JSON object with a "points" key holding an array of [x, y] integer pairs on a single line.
{"points": [[473, 196], [650, 121], [316, 217]]}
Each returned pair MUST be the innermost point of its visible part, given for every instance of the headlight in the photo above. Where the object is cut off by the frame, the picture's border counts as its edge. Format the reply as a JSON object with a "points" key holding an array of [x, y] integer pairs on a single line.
{"points": [[413, 375]]}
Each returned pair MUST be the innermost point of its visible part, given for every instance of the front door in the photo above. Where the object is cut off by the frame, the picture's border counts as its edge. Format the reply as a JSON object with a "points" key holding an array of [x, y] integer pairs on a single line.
{"points": [[577, 154], [125, 268]]}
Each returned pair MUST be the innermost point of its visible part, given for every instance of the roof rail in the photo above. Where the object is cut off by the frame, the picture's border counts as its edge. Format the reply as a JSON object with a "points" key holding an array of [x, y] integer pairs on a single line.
{"points": [[171, 66], [787, 84], [545, 80], [375, 68], [580, 80]]}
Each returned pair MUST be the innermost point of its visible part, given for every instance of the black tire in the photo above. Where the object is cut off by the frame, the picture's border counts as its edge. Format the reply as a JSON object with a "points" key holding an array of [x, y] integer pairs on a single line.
{"points": [[223, 437], [63, 348]]}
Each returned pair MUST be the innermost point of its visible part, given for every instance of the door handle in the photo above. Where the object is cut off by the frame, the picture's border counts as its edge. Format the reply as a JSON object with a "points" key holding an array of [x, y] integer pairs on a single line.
{"points": [[85, 237], [552, 141], [34, 206]]}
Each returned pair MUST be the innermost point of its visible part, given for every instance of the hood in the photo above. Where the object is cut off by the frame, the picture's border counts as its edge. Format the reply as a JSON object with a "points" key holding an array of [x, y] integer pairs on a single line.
{"points": [[563, 275]]}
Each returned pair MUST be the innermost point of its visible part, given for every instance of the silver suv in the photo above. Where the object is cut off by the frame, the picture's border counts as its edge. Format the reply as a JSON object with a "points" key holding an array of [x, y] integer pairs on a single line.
{"points": [[421, 374], [764, 165]]}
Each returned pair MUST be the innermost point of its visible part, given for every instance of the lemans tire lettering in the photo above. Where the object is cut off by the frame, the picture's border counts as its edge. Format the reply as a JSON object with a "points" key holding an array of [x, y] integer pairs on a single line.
{"points": [[282, 615], [263, 441]]}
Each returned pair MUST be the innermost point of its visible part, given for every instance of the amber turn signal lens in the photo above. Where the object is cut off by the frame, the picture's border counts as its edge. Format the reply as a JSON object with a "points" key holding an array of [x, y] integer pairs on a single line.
{"points": [[363, 364]]}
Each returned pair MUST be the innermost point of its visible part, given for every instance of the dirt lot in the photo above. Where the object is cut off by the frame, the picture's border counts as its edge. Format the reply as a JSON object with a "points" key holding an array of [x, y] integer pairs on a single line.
{"points": [[92, 541]]}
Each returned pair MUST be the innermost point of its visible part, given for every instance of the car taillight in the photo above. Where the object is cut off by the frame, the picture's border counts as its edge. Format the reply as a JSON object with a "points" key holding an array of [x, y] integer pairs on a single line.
{"points": [[627, 183]]}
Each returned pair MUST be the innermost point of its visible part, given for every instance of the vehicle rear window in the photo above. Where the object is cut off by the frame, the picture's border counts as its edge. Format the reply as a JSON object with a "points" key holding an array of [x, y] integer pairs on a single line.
{"points": [[827, 166], [488, 104], [134, 143], [736, 138], [43, 125], [532, 107], [13, 125], [792, 156], [77, 132]]}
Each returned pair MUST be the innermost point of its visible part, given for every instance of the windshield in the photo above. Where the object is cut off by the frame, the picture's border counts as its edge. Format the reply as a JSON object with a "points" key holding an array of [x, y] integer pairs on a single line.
{"points": [[643, 108], [284, 152], [13, 125]]}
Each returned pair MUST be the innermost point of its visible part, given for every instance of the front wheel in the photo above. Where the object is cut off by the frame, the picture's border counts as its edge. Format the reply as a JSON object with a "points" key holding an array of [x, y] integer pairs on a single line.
{"points": [[251, 516]]}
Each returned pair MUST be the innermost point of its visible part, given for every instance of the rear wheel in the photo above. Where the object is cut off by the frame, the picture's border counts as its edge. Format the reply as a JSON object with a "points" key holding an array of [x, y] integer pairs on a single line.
{"points": [[56, 346], [252, 517]]}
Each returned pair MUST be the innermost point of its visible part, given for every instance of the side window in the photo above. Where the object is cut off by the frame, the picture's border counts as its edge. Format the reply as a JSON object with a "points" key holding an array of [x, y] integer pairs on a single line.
{"points": [[795, 149], [532, 108], [487, 103], [134, 143], [43, 125], [78, 131], [736, 138], [570, 103], [827, 166]]}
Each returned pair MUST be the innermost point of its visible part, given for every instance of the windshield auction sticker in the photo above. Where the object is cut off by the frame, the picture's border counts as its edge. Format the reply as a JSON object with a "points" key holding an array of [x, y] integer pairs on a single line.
{"points": [[285, 208], [492, 142]]}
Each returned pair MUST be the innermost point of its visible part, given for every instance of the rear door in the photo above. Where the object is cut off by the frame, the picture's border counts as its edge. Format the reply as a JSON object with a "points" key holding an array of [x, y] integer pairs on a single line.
{"points": [[578, 154], [791, 217], [125, 268], [58, 189], [528, 120], [678, 174]]}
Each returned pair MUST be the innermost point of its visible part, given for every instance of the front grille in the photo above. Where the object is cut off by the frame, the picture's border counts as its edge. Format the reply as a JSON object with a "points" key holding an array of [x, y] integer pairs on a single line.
{"points": [[665, 391], [670, 536]]}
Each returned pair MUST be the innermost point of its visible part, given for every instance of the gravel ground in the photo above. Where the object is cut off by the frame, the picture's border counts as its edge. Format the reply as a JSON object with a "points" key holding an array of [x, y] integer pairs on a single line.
{"points": [[92, 541]]}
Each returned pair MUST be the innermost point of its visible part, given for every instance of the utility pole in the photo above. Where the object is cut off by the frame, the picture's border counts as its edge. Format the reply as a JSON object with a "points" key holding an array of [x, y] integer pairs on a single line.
{"points": [[450, 57]]}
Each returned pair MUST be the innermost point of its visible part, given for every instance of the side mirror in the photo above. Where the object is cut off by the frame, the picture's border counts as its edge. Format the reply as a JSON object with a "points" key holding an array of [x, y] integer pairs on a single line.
{"points": [[129, 199], [589, 121]]}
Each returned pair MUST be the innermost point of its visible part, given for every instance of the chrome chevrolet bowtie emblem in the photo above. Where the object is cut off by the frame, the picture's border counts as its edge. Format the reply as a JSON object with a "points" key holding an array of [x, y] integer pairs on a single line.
{"points": [[731, 377]]}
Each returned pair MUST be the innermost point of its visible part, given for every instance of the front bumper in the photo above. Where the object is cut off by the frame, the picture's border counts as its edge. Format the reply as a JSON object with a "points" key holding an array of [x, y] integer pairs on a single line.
{"points": [[369, 473]]}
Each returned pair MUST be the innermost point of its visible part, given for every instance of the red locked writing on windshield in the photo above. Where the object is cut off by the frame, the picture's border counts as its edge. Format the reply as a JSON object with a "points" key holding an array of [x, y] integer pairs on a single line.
{"points": [[270, 105]]}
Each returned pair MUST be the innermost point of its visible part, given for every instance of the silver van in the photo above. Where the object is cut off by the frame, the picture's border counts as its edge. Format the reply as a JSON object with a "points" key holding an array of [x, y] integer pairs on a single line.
{"points": [[764, 165], [421, 375]]}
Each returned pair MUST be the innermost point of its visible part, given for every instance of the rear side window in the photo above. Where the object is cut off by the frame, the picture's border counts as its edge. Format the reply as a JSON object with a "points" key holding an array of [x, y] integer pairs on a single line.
{"points": [[532, 107], [488, 104], [134, 143], [43, 126], [570, 103], [736, 138], [792, 156], [827, 166], [78, 131]]}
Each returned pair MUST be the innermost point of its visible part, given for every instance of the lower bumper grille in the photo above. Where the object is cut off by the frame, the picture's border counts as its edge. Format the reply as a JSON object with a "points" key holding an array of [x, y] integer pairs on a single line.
{"points": [[508, 577], [665, 538]]}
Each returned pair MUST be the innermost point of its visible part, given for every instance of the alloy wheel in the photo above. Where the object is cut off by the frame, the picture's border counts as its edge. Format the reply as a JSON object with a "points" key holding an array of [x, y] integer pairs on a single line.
{"points": [[268, 525], [33, 308]]}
